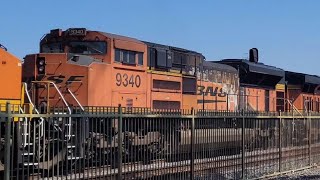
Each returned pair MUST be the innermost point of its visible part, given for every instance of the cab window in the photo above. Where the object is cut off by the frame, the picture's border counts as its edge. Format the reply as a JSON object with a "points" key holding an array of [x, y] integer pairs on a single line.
{"points": [[52, 48], [88, 47], [128, 57]]}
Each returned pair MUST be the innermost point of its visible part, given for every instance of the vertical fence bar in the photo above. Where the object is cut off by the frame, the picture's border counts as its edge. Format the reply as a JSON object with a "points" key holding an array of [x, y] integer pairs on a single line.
{"points": [[257, 103], [280, 142], [216, 107], [227, 102], [309, 137], [192, 143], [7, 144], [119, 142], [243, 145]]}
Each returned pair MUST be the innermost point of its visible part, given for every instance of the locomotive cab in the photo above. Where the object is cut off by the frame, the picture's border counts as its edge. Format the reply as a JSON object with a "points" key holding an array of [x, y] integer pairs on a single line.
{"points": [[89, 68]]}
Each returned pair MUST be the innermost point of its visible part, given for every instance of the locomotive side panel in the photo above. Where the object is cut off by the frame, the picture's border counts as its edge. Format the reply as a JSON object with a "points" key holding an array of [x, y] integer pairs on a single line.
{"points": [[211, 96], [316, 100], [99, 91], [294, 95], [10, 78], [189, 92], [62, 71], [258, 99], [316, 103], [129, 87], [128, 78], [165, 90], [307, 102], [217, 88]]}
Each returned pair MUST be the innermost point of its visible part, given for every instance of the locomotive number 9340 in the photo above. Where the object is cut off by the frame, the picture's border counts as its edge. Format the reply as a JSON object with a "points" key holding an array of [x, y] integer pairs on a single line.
{"points": [[128, 80]]}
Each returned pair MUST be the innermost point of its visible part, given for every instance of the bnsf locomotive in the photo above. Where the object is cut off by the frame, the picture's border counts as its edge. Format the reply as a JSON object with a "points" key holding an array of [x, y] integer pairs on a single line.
{"points": [[83, 68], [103, 69]]}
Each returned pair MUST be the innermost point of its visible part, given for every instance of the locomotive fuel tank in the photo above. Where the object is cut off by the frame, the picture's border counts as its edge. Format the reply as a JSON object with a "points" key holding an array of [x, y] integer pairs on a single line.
{"points": [[214, 139]]}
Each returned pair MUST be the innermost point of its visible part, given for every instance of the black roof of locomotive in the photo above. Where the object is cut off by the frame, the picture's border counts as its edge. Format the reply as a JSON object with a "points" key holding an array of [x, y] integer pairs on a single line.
{"points": [[256, 74], [254, 67], [301, 78], [167, 47]]}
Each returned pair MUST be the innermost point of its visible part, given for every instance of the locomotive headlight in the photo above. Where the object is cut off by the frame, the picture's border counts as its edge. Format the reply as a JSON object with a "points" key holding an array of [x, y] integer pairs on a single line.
{"points": [[41, 65], [41, 62], [41, 69]]}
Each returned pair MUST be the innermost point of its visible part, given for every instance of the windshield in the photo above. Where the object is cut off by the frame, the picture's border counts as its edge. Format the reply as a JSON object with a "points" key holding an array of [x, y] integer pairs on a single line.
{"points": [[52, 48], [88, 47]]}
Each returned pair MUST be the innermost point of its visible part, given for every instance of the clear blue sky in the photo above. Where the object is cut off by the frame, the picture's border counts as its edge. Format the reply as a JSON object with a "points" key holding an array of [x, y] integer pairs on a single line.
{"points": [[286, 32]]}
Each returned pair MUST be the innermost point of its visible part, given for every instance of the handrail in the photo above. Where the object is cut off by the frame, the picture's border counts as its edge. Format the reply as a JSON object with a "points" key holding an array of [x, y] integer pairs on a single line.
{"points": [[294, 107], [75, 98], [59, 92], [64, 101], [33, 107], [24, 127], [29, 98]]}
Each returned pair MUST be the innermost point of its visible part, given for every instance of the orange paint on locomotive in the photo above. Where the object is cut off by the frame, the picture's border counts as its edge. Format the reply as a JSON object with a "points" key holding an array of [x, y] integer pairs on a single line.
{"points": [[95, 79], [302, 101], [165, 91], [211, 96], [258, 99], [10, 78]]}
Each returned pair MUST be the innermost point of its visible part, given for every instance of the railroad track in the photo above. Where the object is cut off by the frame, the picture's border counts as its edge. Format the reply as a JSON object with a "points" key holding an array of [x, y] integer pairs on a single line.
{"points": [[161, 167]]}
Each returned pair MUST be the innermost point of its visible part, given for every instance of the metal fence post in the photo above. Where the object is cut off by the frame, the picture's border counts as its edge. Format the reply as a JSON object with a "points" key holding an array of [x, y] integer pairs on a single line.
{"points": [[280, 143], [243, 145], [257, 103], [309, 137], [192, 143], [227, 102], [7, 144], [119, 142]]}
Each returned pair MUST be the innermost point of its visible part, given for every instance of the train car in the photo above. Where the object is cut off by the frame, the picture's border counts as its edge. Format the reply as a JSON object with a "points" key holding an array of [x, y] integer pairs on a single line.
{"points": [[10, 78], [84, 68], [261, 86], [303, 92], [11, 91]]}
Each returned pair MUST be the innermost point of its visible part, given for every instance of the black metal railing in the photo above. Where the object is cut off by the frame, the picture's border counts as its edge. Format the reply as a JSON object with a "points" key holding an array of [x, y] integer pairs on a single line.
{"points": [[138, 143]]}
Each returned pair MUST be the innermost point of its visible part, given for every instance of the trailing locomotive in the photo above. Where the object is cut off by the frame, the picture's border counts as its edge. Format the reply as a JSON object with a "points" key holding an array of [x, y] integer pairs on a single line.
{"points": [[10, 69], [11, 90]]}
